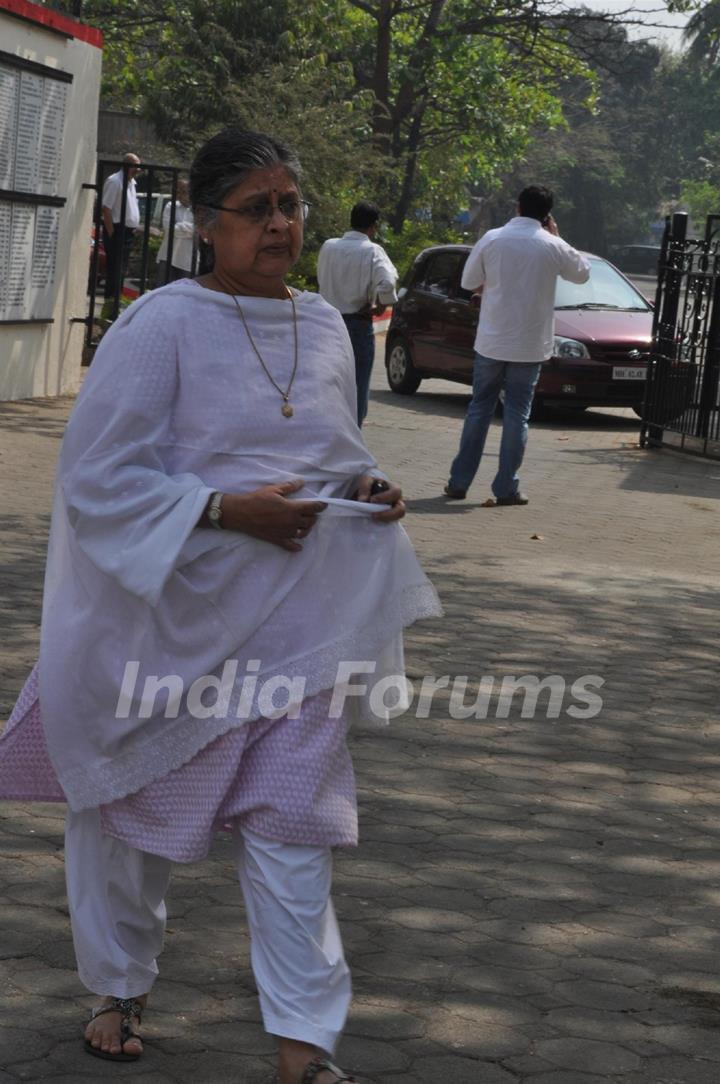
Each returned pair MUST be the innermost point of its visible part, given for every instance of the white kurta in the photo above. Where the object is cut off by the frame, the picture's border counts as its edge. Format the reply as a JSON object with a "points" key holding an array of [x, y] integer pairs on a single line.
{"points": [[174, 407], [184, 233]]}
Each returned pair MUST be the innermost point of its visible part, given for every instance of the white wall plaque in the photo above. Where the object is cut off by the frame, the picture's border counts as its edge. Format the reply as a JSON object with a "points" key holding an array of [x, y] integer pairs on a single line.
{"points": [[15, 275], [50, 68], [52, 124], [32, 123], [27, 146], [9, 92]]}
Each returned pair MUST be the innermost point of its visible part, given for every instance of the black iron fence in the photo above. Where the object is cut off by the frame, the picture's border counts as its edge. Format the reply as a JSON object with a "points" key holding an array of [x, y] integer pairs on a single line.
{"points": [[682, 400], [123, 264]]}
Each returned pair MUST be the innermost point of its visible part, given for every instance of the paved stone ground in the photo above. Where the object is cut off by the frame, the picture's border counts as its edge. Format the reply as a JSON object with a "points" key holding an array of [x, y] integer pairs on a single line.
{"points": [[535, 900]]}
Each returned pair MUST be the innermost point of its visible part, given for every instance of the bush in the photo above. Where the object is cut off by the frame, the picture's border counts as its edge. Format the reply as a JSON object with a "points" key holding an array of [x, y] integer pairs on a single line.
{"points": [[402, 248]]}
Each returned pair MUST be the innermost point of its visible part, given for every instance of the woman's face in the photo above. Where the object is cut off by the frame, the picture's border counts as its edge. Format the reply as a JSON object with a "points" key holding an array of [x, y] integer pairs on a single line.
{"points": [[259, 243]]}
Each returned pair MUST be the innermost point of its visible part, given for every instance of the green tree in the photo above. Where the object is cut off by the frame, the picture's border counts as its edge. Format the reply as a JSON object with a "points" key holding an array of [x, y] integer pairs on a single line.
{"points": [[175, 61], [192, 66], [619, 166], [412, 101], [456, 86], [702, 198], [702, 34], [445, 91]]}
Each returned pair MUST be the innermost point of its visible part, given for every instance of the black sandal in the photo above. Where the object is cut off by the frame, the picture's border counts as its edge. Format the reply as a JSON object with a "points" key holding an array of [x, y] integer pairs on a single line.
{"points": [[130, 1010], [319, 1065]]}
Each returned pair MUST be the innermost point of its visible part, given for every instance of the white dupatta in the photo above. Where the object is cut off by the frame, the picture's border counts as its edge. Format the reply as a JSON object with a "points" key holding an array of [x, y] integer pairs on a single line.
{"points": [[174, 407]]}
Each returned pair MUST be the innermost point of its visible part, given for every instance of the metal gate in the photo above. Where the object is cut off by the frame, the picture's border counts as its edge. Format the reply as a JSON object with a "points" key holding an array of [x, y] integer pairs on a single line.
{"points": [[157, 190], [681, 406]]}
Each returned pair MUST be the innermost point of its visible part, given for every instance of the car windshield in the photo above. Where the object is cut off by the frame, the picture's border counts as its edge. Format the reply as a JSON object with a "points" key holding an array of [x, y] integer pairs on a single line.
{"points": [[605, 289]]}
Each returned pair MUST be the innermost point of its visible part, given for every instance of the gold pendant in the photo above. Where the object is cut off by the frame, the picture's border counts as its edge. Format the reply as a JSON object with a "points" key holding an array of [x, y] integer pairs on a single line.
{"points": [[287, 410]]}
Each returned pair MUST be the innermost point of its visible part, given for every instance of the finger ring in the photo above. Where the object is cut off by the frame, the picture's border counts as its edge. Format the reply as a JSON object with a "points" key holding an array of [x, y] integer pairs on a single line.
{"points": [[298, 533]]}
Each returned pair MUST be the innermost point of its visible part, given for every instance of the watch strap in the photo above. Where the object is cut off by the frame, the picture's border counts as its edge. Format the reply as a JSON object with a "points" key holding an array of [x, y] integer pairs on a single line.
{"points": [[214, 511]]}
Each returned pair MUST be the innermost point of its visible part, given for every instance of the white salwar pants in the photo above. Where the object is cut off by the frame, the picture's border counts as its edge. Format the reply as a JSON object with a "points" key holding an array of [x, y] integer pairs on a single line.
{"points": [[116, 896]]}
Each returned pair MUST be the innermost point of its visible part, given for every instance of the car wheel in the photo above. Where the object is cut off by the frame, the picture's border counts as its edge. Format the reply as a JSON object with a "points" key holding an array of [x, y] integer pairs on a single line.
{"points": [[402, 376]]}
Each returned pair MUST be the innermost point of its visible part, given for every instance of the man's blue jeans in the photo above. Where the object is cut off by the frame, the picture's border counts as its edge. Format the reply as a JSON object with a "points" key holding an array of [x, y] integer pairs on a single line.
{"points": [[518, 380], [362, 337]]}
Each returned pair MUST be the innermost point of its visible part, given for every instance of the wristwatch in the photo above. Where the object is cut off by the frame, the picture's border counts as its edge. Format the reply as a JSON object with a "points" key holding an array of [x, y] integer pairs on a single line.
{"points": [[214, 511]]}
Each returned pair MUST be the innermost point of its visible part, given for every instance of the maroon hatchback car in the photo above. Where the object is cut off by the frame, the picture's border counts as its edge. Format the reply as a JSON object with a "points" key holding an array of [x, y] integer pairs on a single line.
{"points": [[602, 333]]}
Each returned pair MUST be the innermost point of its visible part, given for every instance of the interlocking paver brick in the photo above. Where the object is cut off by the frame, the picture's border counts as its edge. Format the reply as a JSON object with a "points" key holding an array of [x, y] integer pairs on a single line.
{"points": [[588, 1055], [535, 900], [673, 1070], [555, 1077]]}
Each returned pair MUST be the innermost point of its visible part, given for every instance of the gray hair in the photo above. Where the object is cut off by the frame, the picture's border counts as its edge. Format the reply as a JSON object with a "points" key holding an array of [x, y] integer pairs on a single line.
{"points": [[227, 159]]}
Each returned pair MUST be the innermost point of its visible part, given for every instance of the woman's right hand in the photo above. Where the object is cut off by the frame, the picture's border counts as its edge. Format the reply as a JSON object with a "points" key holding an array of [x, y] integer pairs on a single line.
{"points": [[268, 514]]}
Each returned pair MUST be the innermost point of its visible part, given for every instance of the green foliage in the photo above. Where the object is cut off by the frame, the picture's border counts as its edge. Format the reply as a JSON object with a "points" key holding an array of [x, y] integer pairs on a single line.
{"points": [[175, 60], [340, 163], [703, 34], [618, 167], [407, 102], [402, 247], [456, 88], [419, 103], [686, 102], [702, 198]]}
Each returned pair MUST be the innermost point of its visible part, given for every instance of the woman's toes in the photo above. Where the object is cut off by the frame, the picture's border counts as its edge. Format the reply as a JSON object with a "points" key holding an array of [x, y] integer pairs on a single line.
{"points": [[105, 1035]]}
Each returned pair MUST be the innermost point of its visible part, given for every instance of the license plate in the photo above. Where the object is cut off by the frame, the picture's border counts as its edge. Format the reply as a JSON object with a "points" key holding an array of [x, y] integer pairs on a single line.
{"points": [[629, 372]]}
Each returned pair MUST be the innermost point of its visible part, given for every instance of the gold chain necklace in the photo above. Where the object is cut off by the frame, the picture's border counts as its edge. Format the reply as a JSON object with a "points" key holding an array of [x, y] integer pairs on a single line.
{"points": [[287, 409]]}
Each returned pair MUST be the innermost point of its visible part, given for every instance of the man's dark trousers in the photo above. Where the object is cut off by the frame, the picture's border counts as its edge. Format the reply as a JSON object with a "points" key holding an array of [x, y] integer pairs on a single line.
{"points": [[117, 255], [360, 329]]}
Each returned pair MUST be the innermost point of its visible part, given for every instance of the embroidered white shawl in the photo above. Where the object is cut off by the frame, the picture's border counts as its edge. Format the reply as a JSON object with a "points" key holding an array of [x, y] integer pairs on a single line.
{"points": [[174, 407]]}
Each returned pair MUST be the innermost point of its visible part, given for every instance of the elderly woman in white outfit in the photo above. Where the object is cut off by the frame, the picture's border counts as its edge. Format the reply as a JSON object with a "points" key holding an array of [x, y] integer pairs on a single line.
{"points": [[219, 564]]}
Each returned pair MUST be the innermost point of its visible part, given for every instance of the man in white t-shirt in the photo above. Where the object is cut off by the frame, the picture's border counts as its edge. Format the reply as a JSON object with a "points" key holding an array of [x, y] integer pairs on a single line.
{"points": [[357, 277], [516, 267], [118, 234], [184, 254]]}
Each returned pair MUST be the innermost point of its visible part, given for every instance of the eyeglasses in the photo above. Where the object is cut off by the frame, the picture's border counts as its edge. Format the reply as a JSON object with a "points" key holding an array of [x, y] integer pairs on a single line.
{"points": [[290, 209]]}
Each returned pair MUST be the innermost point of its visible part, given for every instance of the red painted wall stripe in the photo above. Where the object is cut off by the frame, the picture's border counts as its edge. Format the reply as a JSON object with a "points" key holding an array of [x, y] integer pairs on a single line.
{"points": [[34, 13]]}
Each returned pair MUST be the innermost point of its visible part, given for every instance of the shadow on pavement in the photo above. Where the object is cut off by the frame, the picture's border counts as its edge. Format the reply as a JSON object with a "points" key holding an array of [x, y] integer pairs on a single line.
{"points": [[536, 894], [641, 470], [44, 417], [655, 470], [21, 586], [528, 874], [540, 888], [440, 401]]}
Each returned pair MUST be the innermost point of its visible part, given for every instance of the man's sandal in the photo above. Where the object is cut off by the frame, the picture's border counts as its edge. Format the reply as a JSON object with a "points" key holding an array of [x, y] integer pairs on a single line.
{"points": [[321, 1065], [130, 1010]]}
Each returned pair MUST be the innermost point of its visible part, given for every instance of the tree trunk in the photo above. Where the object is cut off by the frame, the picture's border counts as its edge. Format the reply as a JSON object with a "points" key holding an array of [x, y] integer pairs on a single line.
{"points": [[381, 119], [397, 219]]}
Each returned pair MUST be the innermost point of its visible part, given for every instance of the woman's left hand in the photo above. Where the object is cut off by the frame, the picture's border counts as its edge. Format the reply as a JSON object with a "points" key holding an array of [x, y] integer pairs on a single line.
{"points": [[392, 497]]}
